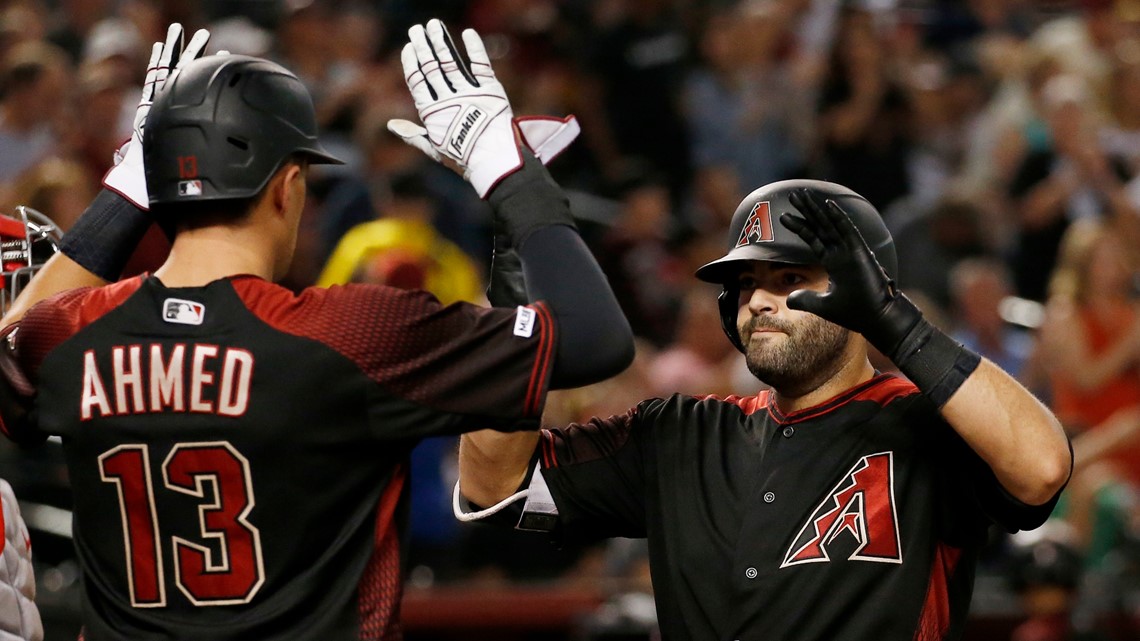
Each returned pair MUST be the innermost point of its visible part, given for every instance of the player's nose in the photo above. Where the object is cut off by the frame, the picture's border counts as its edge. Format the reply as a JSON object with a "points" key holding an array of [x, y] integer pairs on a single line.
{"points": [[763, 302]]}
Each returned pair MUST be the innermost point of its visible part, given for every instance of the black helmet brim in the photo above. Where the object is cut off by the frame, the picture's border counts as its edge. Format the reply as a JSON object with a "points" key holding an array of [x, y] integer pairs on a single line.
{"points": [[321, 156], [725, 269]]}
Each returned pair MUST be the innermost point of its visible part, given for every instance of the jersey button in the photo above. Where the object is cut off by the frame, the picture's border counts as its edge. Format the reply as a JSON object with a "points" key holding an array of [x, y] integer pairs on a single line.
{"points": [[751, 573], [788, 431], [769, 497]]}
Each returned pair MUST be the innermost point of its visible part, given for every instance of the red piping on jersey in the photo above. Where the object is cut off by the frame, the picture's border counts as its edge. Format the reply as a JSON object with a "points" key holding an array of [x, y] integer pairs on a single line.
{"points": [[380, 589], [546, 445], [881, 389], [934, 622], [747, 403], [542, 361]]}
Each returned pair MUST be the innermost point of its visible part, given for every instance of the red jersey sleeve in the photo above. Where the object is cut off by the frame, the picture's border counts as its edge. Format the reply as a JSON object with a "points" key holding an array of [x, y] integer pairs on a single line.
{"points": [[460, 358]]}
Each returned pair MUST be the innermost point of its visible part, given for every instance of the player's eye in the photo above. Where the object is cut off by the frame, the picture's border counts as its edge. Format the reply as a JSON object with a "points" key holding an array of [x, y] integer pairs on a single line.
{"points": [[746, 281], [792, 279]]}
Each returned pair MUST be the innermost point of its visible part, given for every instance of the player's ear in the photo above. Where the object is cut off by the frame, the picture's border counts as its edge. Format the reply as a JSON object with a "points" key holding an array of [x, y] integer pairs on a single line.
{"points": [[287, 187]]}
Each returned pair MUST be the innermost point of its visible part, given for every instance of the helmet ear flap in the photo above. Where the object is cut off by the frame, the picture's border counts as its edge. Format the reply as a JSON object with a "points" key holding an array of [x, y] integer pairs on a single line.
{"points": [[728, 304]]}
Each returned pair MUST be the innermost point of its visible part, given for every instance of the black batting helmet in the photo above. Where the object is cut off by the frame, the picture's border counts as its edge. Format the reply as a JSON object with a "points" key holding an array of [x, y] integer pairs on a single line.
{"points": [[221, 127], [756, 234]]}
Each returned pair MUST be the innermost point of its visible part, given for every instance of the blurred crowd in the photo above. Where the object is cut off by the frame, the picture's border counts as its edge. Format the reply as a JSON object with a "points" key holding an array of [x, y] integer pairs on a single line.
{"points": [[999, 138]]}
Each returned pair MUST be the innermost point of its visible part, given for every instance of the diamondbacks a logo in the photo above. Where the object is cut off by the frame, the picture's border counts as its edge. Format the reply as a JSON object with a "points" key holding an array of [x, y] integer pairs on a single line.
{"points": [[758, 227], [861, 506]]}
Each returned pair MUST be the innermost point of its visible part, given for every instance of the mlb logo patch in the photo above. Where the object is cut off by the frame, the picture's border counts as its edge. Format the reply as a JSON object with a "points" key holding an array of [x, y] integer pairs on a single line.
{"points": [[190, 188], [183, 312], [524, 322]]}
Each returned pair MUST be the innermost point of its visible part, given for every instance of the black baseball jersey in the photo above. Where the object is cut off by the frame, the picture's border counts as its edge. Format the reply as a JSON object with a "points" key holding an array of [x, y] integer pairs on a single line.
{"points": [[858, 519], [238, 453]]}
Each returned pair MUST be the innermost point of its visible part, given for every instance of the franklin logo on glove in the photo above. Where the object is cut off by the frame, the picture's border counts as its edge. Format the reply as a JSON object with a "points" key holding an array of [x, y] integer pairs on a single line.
{"points": [[469, 121]]}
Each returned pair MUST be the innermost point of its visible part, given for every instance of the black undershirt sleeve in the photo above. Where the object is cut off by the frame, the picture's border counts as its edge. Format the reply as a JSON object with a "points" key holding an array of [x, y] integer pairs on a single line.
{"points": [[594, 338], [532, 216]]}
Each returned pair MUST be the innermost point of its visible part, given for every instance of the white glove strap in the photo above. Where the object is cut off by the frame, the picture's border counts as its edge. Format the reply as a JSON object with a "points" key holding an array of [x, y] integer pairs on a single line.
{"points": [[548, 136], [539, 513], [457, 506]]}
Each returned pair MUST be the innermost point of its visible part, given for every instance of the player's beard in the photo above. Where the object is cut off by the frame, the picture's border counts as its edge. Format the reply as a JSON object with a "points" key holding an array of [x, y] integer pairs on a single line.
{"points": [[811, 352]]}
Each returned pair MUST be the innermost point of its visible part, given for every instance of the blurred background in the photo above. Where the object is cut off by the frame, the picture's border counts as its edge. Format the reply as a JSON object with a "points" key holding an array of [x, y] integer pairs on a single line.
{"points": [[999, 138]]}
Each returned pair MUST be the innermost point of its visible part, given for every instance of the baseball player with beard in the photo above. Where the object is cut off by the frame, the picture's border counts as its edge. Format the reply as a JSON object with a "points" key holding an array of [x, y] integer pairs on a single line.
{"points": [[844, 503]]}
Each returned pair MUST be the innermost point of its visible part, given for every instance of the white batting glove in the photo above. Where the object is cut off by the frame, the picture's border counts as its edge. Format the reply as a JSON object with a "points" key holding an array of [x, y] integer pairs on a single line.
{"points": [[545, 136], [127, 177], [464, 109]]}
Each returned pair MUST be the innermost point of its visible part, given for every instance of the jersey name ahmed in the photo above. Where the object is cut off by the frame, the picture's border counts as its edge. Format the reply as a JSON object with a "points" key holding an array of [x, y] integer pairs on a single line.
{"points": [[156, 377], [238, 453]]}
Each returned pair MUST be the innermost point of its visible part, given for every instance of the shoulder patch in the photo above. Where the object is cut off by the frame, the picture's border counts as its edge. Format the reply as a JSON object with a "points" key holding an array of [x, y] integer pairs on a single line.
{"points": [[524, 322]]}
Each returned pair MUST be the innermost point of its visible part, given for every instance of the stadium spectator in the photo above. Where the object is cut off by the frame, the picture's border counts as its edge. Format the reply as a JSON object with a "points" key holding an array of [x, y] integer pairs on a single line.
{"points": [[1091, 349]]}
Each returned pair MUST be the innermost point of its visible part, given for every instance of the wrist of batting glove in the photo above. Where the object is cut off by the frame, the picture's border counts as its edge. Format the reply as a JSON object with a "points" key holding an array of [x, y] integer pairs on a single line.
{"points": [[934, 362], [529, 200], [545, 136], [464, 109]]}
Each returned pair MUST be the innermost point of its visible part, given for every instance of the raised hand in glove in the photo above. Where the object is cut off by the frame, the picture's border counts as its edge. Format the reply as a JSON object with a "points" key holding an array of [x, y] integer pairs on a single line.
{"points": [[127, 177], [864, 299], [464, 109]]}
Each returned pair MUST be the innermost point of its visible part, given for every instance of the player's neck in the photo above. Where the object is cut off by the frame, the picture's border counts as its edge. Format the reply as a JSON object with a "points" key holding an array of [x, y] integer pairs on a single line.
{"points": [[203, 255], [855, 369]]}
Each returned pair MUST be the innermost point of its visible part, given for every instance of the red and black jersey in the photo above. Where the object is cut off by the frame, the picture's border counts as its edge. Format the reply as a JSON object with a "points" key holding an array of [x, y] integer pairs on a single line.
{"points": [[858, 519], [238, 452]]}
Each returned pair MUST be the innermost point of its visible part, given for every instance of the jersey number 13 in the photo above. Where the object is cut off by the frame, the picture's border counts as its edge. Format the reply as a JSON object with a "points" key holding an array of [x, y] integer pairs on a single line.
{"points": [[217, 474]]}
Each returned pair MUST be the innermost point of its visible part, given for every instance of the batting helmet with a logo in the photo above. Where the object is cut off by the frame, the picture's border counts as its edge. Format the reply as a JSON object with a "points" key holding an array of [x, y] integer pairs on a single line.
{"points": [[222, 125], [755, 233]]}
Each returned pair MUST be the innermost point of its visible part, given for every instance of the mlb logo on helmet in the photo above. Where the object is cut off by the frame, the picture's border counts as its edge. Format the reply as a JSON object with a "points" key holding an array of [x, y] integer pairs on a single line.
{"points": [[758, 227], [183, 312], [190, 188]]}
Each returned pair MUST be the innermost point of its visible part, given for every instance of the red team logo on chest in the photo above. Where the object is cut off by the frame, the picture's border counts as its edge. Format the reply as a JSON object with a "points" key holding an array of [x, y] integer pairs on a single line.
{"points": [[862, 506]]}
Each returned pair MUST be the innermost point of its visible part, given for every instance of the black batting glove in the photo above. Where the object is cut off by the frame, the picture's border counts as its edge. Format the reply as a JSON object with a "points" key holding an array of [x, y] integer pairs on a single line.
{"points": [[863, 298], [506, 285]]}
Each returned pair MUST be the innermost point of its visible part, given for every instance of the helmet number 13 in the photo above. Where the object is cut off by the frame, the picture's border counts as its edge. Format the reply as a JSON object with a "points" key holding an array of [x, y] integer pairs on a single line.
{"points": [[225, 566]]}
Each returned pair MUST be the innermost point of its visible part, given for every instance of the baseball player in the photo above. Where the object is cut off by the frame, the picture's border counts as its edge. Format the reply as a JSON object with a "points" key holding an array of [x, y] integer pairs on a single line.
{"points": [[238, 453], [842, 504]]}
